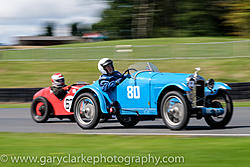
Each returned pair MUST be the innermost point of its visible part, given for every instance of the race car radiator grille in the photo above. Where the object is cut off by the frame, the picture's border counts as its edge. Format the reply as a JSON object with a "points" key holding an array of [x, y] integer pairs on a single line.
{"points": [[200, 93]]}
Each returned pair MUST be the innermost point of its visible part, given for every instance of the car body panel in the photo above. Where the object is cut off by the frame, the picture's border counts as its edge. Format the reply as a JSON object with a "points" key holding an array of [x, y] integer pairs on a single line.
{"points": [[60, 107], [102, 96], [161, 81], [139, 93]]}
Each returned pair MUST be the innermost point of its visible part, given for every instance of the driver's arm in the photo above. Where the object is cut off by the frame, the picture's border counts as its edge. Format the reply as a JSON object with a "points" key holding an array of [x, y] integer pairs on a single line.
{"points": [[107, 85], [119, 77]]}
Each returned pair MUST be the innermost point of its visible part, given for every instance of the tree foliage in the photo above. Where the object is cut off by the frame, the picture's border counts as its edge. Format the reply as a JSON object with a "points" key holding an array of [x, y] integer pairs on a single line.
{"points": [[78, 29], [117, 20], [164, 18], [238, 17], [49, 29], [74, 29]]}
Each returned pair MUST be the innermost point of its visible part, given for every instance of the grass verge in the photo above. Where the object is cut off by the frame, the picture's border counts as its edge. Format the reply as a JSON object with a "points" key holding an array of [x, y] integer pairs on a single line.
{"points": [[37, 74], [197, 151], [14, 105], [70, 60]]}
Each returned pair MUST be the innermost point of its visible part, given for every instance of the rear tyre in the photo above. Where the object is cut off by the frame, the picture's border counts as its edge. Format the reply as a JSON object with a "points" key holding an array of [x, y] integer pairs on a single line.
{"points": [[128, 121], [87, 111], [40, 110], [221, 100], [174, 110]]}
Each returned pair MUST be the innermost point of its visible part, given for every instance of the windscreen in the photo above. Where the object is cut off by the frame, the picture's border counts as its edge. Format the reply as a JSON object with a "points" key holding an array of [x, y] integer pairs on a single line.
{"points": [[144, 66]]}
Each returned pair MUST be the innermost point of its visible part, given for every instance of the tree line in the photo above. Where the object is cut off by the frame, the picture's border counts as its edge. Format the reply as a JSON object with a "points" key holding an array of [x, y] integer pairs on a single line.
{"points": [[77, 29], [175, 18]]}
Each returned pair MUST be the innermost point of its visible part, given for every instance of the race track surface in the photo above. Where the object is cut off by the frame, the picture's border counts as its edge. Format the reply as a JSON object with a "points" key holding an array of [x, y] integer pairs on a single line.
{"points": [[19, 120]]}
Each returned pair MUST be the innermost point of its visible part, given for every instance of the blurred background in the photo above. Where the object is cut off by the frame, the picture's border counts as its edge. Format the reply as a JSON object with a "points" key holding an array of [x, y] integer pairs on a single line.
{"points": [[39, 38], [123, 19]]}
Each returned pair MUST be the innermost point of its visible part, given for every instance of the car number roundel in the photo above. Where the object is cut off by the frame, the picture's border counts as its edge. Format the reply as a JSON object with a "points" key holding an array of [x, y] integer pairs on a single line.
{"points": [[68, 103]]}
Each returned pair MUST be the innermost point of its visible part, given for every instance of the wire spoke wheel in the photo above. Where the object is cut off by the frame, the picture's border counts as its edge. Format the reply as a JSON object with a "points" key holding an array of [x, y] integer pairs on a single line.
{"points": [[86, 111], [221, 100], [174, 110]]}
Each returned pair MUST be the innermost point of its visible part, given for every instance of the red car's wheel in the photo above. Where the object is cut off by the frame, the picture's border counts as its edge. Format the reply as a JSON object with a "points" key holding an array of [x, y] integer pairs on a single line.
{"points": [[40, 110]]}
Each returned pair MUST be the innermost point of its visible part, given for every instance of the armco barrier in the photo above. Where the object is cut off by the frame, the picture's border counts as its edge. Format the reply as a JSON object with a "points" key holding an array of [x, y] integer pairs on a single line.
{"points": [[17, 94], [240, 91]]}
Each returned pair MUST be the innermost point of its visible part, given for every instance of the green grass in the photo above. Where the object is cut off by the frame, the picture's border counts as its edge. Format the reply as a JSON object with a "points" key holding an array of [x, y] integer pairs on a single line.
{"points": [[197, 151], [241, 104], [37, 74], [15, 105], [170, 48], [15, 73]]}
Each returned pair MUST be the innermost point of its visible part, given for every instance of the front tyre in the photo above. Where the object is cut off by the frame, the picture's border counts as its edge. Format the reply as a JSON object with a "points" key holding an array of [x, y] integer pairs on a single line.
{"points": [[221, 100], [40, 110], [87, 111], [174, 110]]}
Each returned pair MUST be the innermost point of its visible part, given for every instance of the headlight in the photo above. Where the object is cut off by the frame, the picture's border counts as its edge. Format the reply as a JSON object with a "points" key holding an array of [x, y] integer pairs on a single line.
{"points": [[191, 83], [210, 84]]}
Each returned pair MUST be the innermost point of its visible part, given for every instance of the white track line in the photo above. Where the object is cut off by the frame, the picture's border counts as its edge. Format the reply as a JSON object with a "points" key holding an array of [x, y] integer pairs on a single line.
{"points": [[136, 46], [211, 43], [136, 59], [169, 134]]}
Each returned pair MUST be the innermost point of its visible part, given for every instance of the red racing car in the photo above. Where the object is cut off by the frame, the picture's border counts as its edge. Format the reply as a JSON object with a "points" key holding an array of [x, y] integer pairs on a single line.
{"points": [[46, 105]]}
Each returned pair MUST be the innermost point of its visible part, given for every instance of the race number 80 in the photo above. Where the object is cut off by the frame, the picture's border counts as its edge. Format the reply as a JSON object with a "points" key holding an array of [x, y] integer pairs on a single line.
{"points": [[133, 92]]}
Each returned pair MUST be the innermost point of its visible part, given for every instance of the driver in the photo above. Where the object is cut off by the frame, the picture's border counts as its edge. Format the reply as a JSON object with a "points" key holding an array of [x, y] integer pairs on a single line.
{"points": [[58, 86], [109, 78]]}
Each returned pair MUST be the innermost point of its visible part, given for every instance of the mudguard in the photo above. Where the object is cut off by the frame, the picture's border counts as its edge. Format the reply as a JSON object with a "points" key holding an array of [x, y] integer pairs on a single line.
{"points": [[100, 95], [217, 86], [181, 86], [220, 85], [158, 92]]}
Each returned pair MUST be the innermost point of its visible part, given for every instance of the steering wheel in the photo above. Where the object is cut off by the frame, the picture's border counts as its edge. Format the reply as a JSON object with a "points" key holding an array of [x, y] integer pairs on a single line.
{"points": [[127, 71]]}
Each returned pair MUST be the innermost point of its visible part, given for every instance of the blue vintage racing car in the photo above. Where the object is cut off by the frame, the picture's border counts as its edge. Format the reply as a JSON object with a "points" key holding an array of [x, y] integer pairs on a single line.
{"points": [[147, 94]]}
